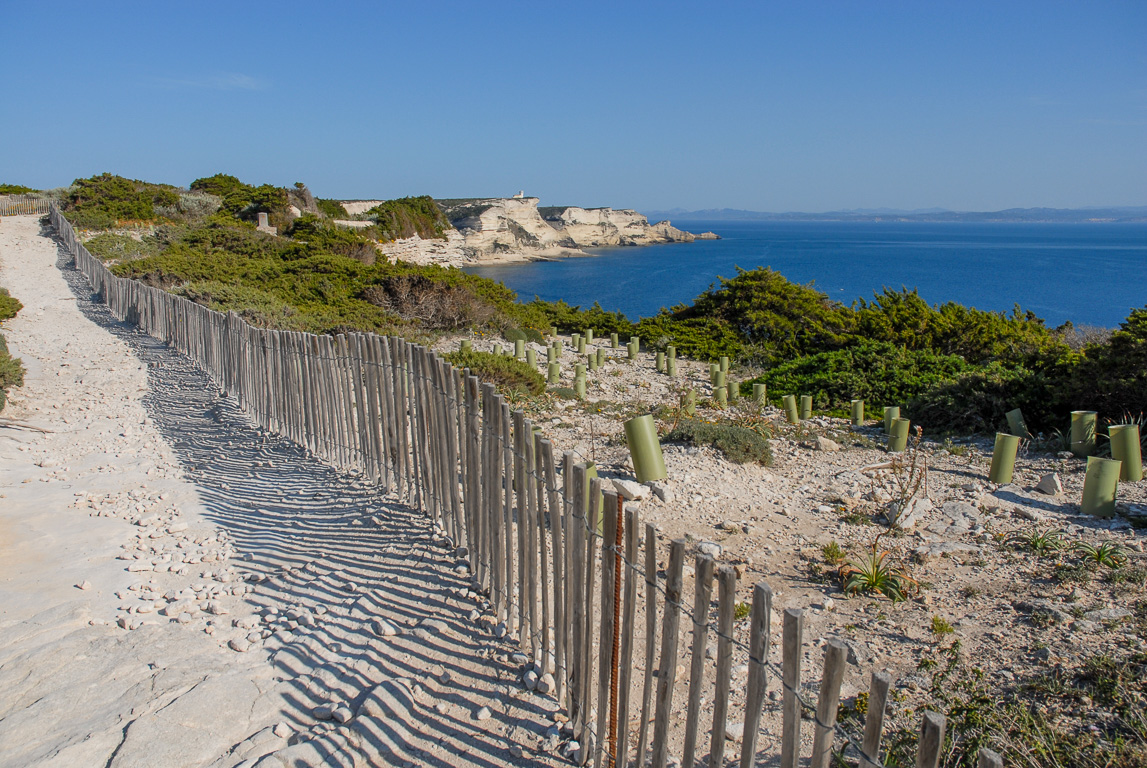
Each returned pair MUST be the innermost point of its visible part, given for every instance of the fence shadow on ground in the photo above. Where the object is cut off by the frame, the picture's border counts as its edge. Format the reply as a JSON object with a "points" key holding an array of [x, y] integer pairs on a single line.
{"points": [[308, 531]]}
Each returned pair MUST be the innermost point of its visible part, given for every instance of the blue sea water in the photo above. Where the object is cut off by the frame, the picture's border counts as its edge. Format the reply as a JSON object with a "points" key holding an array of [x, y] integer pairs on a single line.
{"points": [[1091, 274]]}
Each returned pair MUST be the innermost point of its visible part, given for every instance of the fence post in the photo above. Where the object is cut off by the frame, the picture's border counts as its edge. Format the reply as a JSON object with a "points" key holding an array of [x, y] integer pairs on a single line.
{"points": [[874, 719], [702, 595], [629, 612], [650, 638], [726, 600], [835, 657], [791, 679], [931, 740], [577, 550], [758, 657], [607, 680], [667, 674]]}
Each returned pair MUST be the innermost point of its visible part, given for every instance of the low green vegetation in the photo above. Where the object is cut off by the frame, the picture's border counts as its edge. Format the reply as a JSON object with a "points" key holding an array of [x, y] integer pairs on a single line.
{"points": [[332, 209], [875, 573], [11, 369], [1088, 716], [738, 444], [506, 373], [15, 189], [409, 216], [9, 305]]}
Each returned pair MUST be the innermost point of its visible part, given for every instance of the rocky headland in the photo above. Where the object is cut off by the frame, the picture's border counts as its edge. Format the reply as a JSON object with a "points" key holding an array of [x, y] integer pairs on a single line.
{"points": [[517, 229]]}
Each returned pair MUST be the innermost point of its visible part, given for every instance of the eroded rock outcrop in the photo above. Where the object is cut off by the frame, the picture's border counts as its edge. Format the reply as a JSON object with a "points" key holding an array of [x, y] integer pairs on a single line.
{"points": [[517, 225]]}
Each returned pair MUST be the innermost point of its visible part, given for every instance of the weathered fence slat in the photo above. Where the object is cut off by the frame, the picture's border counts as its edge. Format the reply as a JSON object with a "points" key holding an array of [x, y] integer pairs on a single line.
{"points": [[702, 594], [793, 638], [667, 668]]}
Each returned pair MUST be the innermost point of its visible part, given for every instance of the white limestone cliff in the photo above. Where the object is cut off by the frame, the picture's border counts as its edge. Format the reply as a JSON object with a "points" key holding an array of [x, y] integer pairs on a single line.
{"points": [[516, 229], [517, 225]]}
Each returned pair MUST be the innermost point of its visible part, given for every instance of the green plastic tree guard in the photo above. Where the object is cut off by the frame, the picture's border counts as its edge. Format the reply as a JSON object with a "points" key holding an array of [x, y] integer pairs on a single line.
{"points": [[1004, 458], [898, 437], [659, 362], [1016, 424], [1099, 484], [858, 413], [579, 387], [581, 346], [555, 372], [589, 335], [721, 395], [670, 366], [806, 407], [575, 339], [1083, 432], [791, 413], [733, 389], [553, 331], [724, 362], [691, 403], [631, 351], [645, 448], [551, 354], [891, 414], [466, 345], [591, 361], [671, 352], [714, 369], [636, 342], [519, 349], [613, 342], [719, 380], [760, 394], [531, 358], [1126, 447], [579, 370], [600, 356]]}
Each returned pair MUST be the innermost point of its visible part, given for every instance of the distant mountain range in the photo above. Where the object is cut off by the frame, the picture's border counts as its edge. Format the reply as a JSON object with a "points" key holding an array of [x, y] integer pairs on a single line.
{"points": [[1030, 215]]}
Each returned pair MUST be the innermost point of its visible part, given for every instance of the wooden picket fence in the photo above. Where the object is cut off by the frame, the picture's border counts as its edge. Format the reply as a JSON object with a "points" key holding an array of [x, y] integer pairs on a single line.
{"points": [[24, 205], [440, 439]]}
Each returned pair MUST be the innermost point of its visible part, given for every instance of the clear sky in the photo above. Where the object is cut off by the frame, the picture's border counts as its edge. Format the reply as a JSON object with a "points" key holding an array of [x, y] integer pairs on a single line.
{"points": [[773, 106]]}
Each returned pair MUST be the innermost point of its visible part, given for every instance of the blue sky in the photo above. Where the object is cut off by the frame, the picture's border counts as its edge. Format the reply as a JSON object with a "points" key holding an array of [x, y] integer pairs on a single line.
{"points": [[765, 106]]}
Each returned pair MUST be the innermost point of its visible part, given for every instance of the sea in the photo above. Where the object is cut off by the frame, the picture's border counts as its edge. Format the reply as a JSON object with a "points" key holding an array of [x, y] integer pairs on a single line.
{"points": [[1090, 274]]}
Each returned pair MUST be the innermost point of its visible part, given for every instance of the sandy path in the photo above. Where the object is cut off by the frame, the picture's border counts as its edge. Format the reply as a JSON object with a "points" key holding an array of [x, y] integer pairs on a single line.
{"points": [[255, 575]]}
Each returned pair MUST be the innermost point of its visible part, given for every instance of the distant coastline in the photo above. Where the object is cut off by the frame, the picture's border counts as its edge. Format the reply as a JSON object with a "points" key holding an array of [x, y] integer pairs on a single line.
{"points": [[1110, 215]]}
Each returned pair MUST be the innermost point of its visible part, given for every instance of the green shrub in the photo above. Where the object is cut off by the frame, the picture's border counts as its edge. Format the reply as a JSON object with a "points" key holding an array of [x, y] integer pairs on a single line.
{"points": [[778, 319], [11, 372], [877, 372], [245, 201], [345, 242], [574, 319], [1111, 377], [738, 444], [507, 373], [104, 200], [332, 209], [15, 189], [903, 318], [702, 338], [112, 246], [978, 399], [9, 306], [409, 216]]}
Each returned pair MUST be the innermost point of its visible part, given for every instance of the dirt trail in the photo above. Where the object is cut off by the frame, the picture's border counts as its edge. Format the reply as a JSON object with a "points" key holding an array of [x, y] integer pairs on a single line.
{"points": [[234, 586]]}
